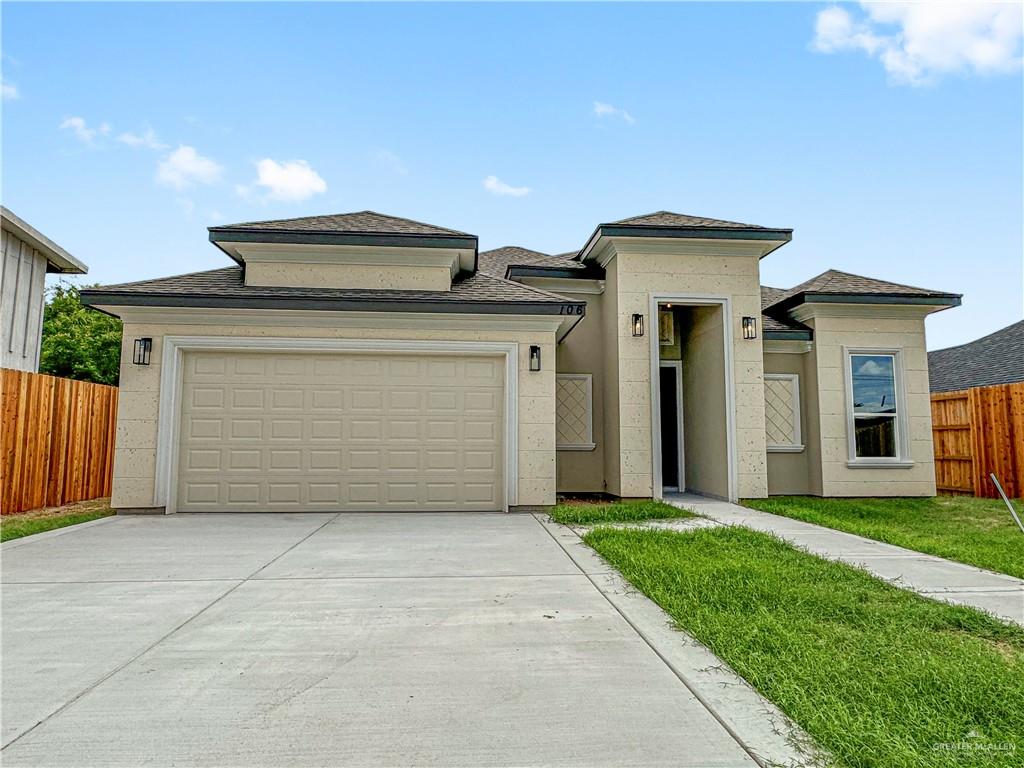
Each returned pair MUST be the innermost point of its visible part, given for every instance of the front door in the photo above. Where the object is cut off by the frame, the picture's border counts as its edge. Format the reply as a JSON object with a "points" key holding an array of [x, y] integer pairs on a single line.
{"points": [[671, 427]]}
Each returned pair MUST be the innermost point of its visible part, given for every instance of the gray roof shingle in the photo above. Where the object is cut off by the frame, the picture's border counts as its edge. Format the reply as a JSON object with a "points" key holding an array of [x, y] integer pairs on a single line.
{"points": [[226, 284], [779, 324], [360, 222], [496, 261], [836, 283], [994, 359], [670, 219]]}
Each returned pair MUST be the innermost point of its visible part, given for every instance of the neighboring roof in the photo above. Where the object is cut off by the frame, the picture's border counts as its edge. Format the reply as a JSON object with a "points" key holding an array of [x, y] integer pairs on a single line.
{"points": [[366, 222], [669, 224], [835, 286], [497, 262], [225, 288], [669, 219], [780, 327], [57, 258], [994, 359]]}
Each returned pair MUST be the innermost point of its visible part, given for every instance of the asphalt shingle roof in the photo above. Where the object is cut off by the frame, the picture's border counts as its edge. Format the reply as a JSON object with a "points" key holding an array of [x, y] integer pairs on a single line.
{"points": [[228, 283], [363, 222], [496, 261], [994, 359], [670, 219], [781, 323], [839, 283]]}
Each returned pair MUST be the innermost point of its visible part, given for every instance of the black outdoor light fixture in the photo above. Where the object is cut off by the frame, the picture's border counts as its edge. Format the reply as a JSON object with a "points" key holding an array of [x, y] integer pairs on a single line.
{"points": [[143, 351], [749, 328], [638, 324], [534, 357]]}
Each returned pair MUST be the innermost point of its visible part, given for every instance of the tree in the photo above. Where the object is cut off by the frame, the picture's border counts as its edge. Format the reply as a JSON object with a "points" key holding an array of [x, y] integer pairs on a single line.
{"points": [[79, 342]]}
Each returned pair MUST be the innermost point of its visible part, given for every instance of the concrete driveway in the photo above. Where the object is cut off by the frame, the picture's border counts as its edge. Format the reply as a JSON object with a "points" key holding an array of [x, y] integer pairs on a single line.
{"points": [[323, 640]]}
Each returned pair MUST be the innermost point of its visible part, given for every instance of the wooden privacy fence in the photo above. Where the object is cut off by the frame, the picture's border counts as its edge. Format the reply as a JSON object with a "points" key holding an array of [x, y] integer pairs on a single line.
{"points": [[56, 440], [978, 431]]}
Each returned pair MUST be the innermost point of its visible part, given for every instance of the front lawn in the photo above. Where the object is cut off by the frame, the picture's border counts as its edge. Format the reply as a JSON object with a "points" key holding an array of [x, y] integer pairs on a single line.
{"points": [[880, 677], [974, 531], [588, 512], [36, 521]]}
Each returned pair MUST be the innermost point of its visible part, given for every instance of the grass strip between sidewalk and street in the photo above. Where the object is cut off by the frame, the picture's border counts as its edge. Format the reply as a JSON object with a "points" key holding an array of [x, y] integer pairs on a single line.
{"points": [[880, 677], [979, 532]]}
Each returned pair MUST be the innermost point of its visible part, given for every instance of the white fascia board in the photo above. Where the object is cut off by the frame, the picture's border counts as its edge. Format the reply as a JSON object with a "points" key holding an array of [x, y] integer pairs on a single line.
{"points": [[60, 259]]}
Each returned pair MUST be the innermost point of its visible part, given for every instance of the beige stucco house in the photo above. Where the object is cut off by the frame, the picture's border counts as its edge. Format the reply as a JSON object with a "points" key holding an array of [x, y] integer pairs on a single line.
{"points": [[367, 362]]}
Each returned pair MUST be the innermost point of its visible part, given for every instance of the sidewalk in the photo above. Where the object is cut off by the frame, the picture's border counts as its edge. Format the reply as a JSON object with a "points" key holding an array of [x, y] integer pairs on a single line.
{"points": [[925, 574]]}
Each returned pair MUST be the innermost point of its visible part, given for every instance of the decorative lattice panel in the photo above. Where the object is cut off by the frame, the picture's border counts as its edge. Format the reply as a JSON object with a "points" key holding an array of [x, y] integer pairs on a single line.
{"points": [[779, 411], [573, 421]]}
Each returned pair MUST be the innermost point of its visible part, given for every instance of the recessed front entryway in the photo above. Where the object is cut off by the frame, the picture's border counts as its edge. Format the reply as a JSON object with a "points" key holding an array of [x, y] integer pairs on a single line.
{"points": [[692, 424], [317, 431]]}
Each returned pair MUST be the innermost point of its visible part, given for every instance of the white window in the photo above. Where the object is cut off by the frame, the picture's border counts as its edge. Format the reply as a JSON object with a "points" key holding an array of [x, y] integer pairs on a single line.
{"points": [[574, 411], [875, 408], [782, 412]]}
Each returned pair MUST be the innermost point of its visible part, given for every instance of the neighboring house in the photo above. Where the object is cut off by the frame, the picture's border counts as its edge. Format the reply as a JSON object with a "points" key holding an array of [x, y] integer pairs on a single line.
{"points": [[367, 362], [994, 359], [28, 256]]}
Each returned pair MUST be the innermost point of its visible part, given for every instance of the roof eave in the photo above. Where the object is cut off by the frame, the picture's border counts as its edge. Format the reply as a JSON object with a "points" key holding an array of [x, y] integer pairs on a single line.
{"points": [[56, 257], [98, 297], [587, 273], [782, 236], [942, 300]]}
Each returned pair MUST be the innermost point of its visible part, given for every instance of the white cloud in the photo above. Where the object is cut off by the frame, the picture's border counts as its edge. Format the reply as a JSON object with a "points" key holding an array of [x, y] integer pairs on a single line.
{"points": [[148, 139], [292, 180], [496, 186], [601, 109], [185, 167], [872, 368], [9, 90], [81, 129], [392, 161], [917, 42]]}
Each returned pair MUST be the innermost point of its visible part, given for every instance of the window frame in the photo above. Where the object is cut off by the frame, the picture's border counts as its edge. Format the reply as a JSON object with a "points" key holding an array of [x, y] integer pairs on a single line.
{"points": [[900, 421], [797, 446], [589, 445]]}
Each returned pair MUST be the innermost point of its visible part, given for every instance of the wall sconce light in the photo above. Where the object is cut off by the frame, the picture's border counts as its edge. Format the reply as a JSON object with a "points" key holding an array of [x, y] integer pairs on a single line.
{"points": [[749, 328], [143, 351], [534, 357], [638, 325]]}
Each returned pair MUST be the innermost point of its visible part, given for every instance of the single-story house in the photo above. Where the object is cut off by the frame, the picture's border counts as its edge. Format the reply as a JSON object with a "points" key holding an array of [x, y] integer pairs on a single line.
{"points": [[28, 256], [994, 359], [367, 362]]}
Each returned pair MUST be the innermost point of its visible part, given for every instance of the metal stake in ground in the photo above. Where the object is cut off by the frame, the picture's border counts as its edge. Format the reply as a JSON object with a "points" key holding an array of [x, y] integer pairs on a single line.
{"points": [[1006, 501]]}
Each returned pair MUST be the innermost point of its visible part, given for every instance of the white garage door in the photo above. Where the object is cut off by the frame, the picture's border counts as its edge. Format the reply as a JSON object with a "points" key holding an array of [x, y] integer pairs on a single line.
{"points": [[285, 432]]}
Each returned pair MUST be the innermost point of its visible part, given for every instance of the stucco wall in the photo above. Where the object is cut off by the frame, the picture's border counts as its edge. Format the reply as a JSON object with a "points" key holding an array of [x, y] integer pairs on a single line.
{"points": [[583, 352], [137, 419], [878, 328], [610, 351], [790, 473], [650, 268], [22, 279], [297, 274], [706, 460]]}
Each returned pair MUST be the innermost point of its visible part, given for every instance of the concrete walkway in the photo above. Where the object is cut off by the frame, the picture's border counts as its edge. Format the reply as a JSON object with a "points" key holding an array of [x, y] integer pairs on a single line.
{"points": [[362, 640], [926, 574]]}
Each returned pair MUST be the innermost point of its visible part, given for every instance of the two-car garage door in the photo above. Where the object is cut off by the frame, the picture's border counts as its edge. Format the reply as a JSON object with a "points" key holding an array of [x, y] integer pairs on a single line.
{"points": [[285, 432]]}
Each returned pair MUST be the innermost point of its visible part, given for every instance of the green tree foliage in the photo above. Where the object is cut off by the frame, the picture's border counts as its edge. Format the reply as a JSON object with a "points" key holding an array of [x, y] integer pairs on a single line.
{"points": [[78, 342]]}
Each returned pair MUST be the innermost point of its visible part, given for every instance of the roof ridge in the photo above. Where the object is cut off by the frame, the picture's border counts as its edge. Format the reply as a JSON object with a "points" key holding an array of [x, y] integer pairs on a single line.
{"points": [[980, 338]]}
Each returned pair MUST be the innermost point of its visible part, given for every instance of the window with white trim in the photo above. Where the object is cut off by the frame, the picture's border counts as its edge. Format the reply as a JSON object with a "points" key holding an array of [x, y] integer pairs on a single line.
{"points": [[875, 411], [782, 412], [574, 412]]}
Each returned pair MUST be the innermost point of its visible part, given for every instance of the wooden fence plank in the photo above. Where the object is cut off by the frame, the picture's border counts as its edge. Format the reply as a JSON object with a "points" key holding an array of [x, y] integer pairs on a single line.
{"points": [[56, 440]]}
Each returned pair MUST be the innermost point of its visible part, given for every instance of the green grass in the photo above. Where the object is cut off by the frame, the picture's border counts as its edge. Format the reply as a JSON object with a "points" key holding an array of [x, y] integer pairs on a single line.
{"points": [[974, 531], [880, 677], [16, 526], [586, 513]]}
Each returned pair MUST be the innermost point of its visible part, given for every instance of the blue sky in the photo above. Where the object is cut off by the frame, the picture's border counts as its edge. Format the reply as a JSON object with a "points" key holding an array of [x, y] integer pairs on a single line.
{"points": [[128, 129]]}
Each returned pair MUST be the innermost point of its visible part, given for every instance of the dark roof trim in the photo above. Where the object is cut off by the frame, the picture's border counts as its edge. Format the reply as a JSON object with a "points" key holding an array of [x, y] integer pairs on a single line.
{"points": [[935, 300], [132, 299], [587, 273], [794, 335], [700, 233], [220, 235]]}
